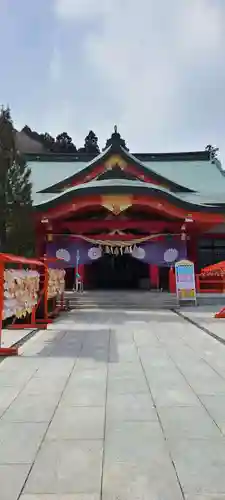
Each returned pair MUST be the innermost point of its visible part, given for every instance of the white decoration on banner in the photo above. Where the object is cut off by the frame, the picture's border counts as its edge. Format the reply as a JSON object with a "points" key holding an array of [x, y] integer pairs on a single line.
{"points": [[63, 254], [171, 255], [94, 253], [138, 253]]}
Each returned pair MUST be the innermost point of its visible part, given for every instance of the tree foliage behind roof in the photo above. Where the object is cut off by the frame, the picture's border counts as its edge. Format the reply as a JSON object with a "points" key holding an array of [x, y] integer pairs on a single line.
{"points": [[63, 143], [16, 221]]}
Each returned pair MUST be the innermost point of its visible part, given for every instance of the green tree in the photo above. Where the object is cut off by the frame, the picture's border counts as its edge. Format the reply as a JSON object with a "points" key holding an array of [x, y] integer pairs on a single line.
{"points": [[64, 143], [48, 141], [16, 215], [91, 143]]}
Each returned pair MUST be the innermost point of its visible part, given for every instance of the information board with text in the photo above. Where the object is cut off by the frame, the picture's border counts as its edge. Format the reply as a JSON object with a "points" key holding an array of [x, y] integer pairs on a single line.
{"points": [[185, 280]]}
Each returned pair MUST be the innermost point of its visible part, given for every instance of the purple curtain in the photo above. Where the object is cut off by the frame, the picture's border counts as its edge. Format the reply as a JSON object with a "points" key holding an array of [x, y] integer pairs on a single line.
{"points": [[164, 253]]}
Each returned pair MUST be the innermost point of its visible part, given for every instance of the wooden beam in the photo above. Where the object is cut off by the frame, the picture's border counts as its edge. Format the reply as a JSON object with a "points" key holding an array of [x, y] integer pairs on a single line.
{"points": [[85, 226]]}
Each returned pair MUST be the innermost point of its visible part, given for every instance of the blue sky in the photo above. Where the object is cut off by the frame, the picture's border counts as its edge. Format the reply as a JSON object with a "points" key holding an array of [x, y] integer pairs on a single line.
{"points": [[155, 68]]}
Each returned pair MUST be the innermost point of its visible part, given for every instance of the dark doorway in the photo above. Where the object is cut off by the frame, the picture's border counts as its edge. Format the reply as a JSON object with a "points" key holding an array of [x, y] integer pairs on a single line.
{"points": [[118, 272], [164, 278], [69, 278]]}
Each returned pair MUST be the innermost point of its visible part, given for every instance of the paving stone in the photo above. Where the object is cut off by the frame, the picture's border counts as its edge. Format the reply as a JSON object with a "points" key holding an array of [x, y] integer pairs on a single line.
{"points": [[155, 480], [133, 442], [77, 423], [12, 479], [174, 396], [128, 384], [89, 364], [205, 497], [67, 466], [83, 396], [19, 442], [125, 353], [200, 465], [87, 379], [88, 376], [130, 407], [31, 408], [207, 386], [215, 404], [125, 368], [188, 422], [13, 378], [137, 461], [52, 368], [74, 496], [43, 385]]}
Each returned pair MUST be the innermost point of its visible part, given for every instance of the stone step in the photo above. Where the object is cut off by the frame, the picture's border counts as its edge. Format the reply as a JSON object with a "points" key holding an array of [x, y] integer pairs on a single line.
{"points": [[121, 300]]}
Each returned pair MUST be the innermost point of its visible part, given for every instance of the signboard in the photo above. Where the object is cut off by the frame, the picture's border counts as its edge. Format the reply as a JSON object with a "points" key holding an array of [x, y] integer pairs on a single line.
{"points": [[185, 280]]}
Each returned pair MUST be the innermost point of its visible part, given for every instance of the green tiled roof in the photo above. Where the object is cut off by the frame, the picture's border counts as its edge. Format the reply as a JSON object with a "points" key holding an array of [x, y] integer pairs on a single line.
{"points": [[44, 174], [122, 185], [202, 176], [95, 184]]}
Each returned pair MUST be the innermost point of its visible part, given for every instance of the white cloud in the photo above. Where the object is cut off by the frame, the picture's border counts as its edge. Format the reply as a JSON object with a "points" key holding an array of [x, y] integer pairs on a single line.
{"points": [[145, 54]]}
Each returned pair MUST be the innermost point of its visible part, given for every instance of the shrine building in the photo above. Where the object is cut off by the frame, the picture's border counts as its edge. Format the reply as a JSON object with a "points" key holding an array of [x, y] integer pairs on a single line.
{"points": [[124, 219]]}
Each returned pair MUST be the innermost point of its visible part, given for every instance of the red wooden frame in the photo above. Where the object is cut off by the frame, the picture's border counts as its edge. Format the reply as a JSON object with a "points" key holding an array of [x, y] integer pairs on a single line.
{"points": [[42, 323], [158, 205], [20, 261]]}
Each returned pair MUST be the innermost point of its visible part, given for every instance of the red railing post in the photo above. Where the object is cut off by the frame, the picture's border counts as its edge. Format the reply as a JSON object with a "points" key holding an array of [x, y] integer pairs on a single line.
{"points": [[197, 283], [172, 281]]}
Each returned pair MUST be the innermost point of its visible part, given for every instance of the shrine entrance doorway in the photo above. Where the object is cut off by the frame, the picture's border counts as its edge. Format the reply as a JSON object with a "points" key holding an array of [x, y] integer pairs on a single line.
{"points": [[122, 272]]}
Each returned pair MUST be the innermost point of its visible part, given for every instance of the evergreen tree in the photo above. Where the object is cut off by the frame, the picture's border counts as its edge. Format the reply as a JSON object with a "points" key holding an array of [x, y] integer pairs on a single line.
{"points": [[64, 144], [16, 218], [91, 143], [48, 141]]}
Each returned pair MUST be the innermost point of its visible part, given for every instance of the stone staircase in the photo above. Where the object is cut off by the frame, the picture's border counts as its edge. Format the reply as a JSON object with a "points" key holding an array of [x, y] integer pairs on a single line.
{"points": [[126, 300]]}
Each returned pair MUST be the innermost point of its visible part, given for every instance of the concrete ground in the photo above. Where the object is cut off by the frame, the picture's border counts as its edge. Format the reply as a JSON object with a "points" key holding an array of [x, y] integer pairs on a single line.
{"points": [[114, 406], [11, 337]]}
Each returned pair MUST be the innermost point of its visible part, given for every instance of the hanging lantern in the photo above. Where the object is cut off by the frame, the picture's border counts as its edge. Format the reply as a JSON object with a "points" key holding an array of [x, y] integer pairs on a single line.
{"points": [[107, 249], [121, 250], [126, 250], [49, 237], [116, 252]]}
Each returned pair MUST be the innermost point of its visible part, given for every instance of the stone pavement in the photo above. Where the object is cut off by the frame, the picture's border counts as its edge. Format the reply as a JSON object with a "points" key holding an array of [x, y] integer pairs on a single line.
{"points": [[114, 406], [11, 337], [204, 316]]}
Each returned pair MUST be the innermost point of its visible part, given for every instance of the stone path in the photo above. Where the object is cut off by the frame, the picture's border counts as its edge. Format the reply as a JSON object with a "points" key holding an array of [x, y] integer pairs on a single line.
{"points": [[204, 316], [11, 337], [114, 406]]}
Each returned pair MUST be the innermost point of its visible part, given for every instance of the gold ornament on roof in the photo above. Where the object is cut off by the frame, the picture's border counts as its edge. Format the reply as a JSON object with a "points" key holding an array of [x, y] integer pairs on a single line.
{"points": [[115, 161], [116, 204]]}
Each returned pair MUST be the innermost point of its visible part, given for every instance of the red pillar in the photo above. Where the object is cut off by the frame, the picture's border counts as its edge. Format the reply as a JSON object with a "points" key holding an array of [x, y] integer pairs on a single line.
{"points": [[172, 281], [154, 276]]}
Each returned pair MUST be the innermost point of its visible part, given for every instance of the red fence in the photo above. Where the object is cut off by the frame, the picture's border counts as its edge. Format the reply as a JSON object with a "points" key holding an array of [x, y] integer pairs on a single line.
{"points": [[31, 320], [204, 283], [210, 284]]}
